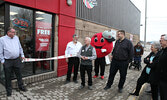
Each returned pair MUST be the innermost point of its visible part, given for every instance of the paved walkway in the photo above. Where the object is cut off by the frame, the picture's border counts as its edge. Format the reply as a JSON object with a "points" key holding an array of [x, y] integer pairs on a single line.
{"points": [[55, 89]]}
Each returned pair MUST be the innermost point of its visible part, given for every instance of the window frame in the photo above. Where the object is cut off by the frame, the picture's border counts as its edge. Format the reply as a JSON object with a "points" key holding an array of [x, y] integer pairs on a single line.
{"points": [[7, 24]]}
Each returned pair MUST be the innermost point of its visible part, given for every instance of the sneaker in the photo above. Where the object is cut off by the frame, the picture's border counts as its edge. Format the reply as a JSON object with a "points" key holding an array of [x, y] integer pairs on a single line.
{"points": [[102, 77], [81, 87], [95, 76], [67, 81], [90, 87], [135, 94], [9, 94], [107, 87], [24, 89], [120, 90]]}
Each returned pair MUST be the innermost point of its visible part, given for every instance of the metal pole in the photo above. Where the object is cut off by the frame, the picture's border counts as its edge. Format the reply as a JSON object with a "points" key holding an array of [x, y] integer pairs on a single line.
{"points": [[145, 23]]}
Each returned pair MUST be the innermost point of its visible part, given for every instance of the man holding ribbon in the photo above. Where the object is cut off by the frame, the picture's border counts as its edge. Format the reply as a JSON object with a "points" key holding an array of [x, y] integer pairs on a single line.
{"points": [[10, 53], [87, 53], [73, 48]]}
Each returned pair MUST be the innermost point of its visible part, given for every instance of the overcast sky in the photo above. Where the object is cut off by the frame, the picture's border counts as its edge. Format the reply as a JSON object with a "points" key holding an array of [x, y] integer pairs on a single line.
{"points": [[156, 18]]}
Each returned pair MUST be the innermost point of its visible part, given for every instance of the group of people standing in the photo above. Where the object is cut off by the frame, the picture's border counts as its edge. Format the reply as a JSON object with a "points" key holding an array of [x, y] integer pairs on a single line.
{"points": [[121, 55], [86, 53], [155, 71]]}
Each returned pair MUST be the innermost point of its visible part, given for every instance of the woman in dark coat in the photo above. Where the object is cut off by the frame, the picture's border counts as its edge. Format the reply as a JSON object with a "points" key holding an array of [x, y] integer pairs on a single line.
{"points": [[145, 75]]}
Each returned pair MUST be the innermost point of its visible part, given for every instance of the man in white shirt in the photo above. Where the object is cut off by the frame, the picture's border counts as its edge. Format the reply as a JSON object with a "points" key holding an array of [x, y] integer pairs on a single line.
{"points": [[73, 48]]}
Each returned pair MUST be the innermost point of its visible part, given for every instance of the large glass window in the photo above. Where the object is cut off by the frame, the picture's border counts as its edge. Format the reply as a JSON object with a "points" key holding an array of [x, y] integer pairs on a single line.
{"points": [[22, 20], [35, 37], [2, 12]]}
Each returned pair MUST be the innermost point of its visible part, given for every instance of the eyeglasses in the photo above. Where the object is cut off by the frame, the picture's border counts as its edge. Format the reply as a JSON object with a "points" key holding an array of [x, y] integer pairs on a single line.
{"points": [[12, 32]]}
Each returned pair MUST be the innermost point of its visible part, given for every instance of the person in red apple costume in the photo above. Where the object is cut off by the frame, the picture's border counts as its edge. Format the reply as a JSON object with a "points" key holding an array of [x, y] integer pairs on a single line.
{"points": [[103, 45]]}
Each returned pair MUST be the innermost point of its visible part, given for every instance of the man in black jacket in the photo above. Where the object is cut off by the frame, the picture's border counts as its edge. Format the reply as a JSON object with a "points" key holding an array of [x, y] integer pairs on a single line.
{"points": [[122, 53], [162, 68]]}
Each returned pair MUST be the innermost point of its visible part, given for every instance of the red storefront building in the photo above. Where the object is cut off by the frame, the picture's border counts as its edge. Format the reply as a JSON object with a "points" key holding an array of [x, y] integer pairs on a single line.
{"points": [[38, 24], [46, 26]]}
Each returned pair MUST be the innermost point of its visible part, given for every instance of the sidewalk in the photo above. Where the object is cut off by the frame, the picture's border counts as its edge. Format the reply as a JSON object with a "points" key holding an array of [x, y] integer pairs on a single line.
{"points": [[55, 89]]}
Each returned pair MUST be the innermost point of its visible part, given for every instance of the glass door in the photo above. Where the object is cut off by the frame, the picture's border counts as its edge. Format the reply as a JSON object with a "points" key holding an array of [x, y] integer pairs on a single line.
{"points": [[43, 33]]}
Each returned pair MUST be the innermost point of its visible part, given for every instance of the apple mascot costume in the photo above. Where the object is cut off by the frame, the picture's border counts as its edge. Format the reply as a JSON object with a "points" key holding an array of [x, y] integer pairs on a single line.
{"points": [[102, 42]]}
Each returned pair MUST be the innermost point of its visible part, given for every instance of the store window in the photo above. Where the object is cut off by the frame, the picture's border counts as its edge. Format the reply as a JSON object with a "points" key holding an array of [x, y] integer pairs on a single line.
{"points": [[2, 12], [22, 20], [43, 31], [35, 37]]}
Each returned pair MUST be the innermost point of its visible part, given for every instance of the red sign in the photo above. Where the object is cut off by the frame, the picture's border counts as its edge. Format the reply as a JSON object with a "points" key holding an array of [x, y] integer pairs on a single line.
{"points": [[43, 33]]}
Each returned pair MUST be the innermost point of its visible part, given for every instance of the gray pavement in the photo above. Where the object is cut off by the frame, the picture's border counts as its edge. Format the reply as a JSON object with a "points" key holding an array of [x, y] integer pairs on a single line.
{"points": [[55, 89]]}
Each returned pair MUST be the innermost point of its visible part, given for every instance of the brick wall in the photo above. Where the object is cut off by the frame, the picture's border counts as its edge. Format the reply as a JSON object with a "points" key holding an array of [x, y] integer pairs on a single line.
{"points": [[86, 28]]}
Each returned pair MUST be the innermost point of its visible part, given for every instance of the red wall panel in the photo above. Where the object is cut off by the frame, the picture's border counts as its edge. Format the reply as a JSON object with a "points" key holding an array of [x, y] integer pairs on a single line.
{"points": [[68, 10], [67, 21], [28, 3], [65, 31], [65, 35], [46, 5]]}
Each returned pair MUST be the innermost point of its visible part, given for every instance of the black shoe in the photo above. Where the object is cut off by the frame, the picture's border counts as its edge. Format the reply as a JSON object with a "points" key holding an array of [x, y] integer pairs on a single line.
{"points": [[107, 87], [149, 92], [9, 94], [67, 81], [135, 94], [75, 81], [24, 89], [120, 90]]}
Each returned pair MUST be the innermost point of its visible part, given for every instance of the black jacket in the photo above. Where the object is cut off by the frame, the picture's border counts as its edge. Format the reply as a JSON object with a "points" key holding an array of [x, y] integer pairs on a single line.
{"points": [[147, 59], [123, 50], [153, 78], [162, 65], [144, 75]]}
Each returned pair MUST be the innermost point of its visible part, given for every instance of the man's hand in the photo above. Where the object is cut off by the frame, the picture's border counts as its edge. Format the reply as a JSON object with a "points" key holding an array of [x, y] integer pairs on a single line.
{"points": [[84, 58], [23, 58], [67, 60]]}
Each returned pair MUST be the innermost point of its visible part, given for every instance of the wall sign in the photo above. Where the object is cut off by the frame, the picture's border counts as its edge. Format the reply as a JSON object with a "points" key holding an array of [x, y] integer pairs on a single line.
{"points": [[22, 23], [90, 3], [43, 33]]}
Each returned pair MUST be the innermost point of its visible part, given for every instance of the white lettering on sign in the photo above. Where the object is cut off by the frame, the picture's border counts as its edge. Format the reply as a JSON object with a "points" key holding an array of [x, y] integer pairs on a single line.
{"points": [[43, 32], [44, 40], [43, 44]]}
